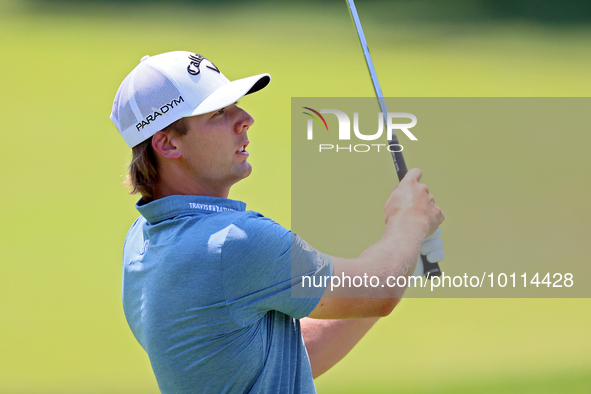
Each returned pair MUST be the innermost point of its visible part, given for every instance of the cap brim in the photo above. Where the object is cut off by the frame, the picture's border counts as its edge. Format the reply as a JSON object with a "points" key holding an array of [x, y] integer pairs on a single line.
{"points": [[231, 92]]}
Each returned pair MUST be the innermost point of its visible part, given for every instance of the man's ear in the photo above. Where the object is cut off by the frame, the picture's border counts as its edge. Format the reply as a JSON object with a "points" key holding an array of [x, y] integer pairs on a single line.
{"points": [[166, 144]]}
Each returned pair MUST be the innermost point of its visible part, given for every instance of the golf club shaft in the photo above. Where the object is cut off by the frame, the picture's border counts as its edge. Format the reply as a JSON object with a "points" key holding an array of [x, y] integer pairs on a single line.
{"points": [[429, 269]]}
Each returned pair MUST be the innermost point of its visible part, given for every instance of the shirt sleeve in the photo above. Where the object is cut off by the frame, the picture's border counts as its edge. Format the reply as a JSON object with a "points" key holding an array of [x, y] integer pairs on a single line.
{"points": [[263, 266]]}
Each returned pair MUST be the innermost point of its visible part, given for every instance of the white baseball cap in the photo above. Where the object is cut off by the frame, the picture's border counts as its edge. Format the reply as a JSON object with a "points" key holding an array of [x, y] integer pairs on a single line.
{"points": [[166, 87]]}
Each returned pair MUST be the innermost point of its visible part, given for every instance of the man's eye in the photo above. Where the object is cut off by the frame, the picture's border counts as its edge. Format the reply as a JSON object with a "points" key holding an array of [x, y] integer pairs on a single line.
{"points": [[221, 111]]}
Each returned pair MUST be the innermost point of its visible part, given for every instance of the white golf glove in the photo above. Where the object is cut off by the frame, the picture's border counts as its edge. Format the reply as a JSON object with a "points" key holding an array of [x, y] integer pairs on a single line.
{"points": [[433, 249]]}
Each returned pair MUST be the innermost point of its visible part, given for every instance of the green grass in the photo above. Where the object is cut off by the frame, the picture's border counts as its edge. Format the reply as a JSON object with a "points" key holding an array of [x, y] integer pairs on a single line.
{"points": [[65, 213]]}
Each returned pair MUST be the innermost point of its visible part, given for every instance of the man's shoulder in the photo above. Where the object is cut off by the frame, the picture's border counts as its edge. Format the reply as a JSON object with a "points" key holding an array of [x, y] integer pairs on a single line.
{"points": [[133, 246], [255, 221], [249, 233], [207, 225], [252, 223]]}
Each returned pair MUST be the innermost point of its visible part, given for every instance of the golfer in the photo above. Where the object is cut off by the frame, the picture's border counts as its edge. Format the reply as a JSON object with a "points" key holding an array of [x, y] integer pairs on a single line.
{"points": [[213, 292]]}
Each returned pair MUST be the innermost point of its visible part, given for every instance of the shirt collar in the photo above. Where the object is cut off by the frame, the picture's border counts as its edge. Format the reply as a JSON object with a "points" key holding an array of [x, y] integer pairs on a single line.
{"points": [[168, 207]]}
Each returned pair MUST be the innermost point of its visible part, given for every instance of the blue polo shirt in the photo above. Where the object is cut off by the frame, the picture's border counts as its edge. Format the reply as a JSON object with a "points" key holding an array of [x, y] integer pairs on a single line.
{"points": [[213, 293]]}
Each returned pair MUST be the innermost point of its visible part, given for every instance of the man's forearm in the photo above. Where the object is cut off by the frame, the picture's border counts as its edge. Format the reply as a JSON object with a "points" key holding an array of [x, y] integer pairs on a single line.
{"points": [[328, 341], [393, 255]]}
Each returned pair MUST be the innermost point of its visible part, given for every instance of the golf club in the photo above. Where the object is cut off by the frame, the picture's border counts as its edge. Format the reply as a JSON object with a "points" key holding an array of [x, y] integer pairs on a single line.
{"points": [[429, 269]]}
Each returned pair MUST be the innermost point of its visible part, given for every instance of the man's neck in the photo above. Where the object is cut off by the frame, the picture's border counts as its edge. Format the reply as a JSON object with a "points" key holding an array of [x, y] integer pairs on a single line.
{"points": [[165, 189], [175, 179]]}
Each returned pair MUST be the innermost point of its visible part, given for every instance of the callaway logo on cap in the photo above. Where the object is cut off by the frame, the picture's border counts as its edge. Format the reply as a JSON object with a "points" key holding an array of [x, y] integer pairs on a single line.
{"points": [[166, 87]]}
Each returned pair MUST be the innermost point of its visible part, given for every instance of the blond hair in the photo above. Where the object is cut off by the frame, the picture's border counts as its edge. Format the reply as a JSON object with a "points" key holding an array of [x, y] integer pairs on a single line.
{"points": [[143, 168]]}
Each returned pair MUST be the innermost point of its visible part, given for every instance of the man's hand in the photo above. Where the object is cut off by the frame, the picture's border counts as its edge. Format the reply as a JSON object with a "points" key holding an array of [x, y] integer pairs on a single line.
{"points": [[411, 202]]}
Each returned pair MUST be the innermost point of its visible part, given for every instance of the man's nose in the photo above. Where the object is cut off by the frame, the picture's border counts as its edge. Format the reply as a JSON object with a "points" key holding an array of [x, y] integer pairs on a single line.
{"points": [[244, 122]]}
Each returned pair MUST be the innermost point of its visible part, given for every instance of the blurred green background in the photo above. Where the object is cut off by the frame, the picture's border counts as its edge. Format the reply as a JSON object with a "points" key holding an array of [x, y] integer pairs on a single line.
{"points": [[65, 212]]}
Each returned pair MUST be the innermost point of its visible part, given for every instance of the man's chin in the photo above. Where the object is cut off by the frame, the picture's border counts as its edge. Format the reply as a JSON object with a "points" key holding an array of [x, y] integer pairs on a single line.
{"points": [[248, 171]]}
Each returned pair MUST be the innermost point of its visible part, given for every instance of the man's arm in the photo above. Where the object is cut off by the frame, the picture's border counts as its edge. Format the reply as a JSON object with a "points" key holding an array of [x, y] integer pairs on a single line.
{"points": [[328, 341], [339, 321], [411, 215]]}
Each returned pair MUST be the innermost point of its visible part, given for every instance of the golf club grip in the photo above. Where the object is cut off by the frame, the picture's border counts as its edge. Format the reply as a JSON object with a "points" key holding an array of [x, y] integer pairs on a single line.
{"points": [[429, 269]]}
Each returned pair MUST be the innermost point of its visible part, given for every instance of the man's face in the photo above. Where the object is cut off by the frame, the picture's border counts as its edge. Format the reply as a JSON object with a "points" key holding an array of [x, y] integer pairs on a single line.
{"points": [[214, 149]]}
